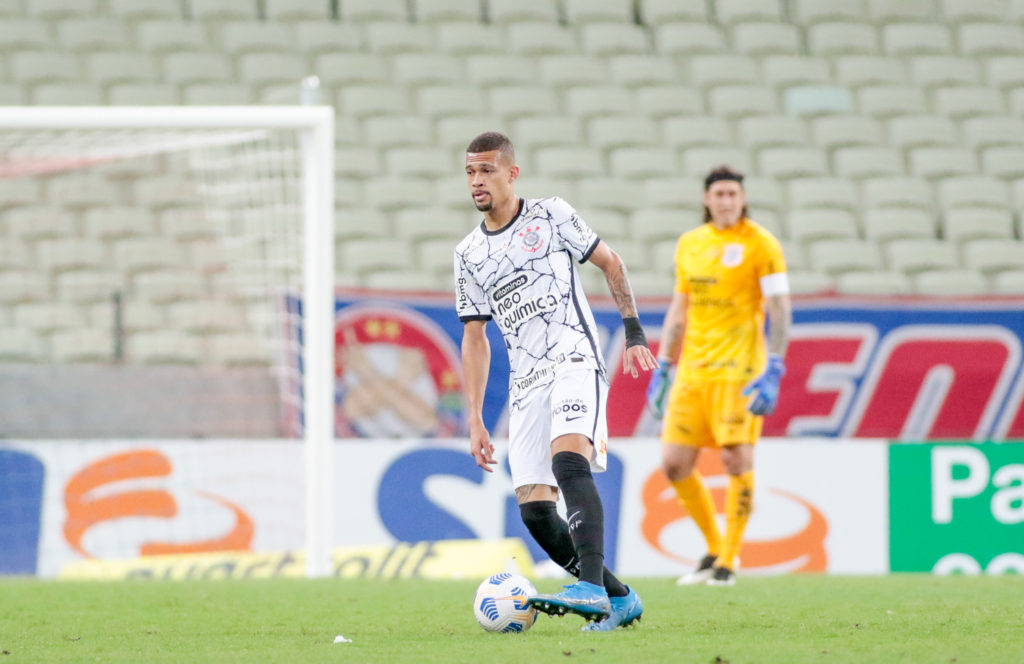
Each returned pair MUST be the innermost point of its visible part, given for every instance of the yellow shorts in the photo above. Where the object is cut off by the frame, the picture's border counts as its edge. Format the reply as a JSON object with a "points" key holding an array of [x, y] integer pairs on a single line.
{"points": [[710, 414]]}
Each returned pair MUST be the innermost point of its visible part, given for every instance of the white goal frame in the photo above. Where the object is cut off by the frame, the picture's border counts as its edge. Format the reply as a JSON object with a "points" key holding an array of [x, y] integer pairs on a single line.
{"points": [[315, 125]]}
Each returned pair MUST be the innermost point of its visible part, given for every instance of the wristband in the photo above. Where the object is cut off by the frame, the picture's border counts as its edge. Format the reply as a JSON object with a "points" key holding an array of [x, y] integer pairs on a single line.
{"points": [[634, 332]]}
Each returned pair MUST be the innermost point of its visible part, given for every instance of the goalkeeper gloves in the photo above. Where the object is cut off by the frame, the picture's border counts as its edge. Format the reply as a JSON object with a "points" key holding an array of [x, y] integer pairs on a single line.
{"points": [[657, 389], [767, 387]]}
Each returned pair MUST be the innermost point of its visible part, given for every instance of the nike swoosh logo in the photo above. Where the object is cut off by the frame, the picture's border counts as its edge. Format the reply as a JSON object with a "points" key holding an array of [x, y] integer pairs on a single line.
{"points": [[571, 419]]}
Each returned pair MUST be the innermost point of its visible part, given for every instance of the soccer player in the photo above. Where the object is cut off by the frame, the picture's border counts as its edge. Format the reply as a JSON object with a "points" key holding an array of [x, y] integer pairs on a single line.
{"points": [[728, 271], [517, 268]]}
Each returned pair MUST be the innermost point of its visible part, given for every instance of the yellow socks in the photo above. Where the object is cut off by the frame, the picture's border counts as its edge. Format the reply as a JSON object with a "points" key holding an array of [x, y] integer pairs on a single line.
{"points": [[697, 499], [739, 501]]}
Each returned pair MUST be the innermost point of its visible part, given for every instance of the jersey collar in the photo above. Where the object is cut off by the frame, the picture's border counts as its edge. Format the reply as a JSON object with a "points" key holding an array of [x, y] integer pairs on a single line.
{"points": [[519, 212]]}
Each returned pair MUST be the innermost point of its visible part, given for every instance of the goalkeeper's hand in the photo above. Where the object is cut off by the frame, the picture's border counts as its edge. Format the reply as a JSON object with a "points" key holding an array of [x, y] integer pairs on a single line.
{"points": [[657, 389], [766, 386]]}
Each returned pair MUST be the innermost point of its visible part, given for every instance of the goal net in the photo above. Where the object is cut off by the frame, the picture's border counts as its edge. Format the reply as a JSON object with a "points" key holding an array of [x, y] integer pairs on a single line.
{"points": [[166, 324]]}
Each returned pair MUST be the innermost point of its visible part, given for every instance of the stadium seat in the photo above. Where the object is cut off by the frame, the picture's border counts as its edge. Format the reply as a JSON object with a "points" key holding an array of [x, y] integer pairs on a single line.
{"points": [[163, 347], [688, 39], [898, 192], [642, 162], [437, 11], [795, 255], [70, 253], [546, 130], [318, 37], [56, 9], [633, 70], [81, 346], [536, 38], [989, 39], [365, 254], [990, 256], [763, 192], [808, 225], [912, 131], [974, 191], [961, 101], [390, 37], [1003, 162], [769, 220], [565, 161], [112, 67], [586, 11], [442, 100], [135, 316], [762, 131], [67, 94], [616, 194], [1005, 72], [931, 71], [197, 67], [608, 39], [1016, 101], [672, 192], [25, 34], [686, 131], [524, 100], [614, 131], [206, 316], [160, 36], [361, 101], [963, 224], [222, 10], [808, 282], [470, 38], [992, 131], [807, 12], [262, 69], [737, 101], [388, 193], [566, 70], [837, 256], [836, 131], [730, 12], [912, 255], [719, 70], [959, 11], [916, 38], [506, 11], [1008, 282], [398, 130], [651, 284], [497, 70], [957, 282], [606, 222], [783, 71], [91, 34], [419, 161], [415, 69], [116, 222], [838, 38], [297, 10], [861, 162], [698, 161], [407, 280], [35, 222], [537, 186], [587, 101], [813, 100], [139, 254], [374, 10], [36, 67], [217, 94], [873, 282], [942, 162], [659, 101], [825, 192], [761, 39], [888, 11], [658, 12], [889, 100], [857, 71], [135, 10], [656, 224], [894, 223]]}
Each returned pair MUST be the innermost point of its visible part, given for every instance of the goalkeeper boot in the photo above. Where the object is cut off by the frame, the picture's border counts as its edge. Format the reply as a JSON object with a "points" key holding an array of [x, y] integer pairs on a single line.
{"points": [[701, 574], [625, 611], [582, 598], [722, 576]]}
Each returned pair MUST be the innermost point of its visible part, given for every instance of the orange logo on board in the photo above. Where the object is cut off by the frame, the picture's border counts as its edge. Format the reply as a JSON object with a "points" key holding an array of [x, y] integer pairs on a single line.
{"points": [[85, 509], [803, 551]]}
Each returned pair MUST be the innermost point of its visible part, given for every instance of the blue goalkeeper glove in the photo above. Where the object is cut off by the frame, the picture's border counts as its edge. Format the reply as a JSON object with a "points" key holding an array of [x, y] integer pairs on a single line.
{"points": [[657, 389], [767, 387]]}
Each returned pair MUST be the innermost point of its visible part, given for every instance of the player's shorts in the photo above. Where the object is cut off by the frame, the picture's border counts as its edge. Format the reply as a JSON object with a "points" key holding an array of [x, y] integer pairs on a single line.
{"points": [[574, 402], [709, 414]]}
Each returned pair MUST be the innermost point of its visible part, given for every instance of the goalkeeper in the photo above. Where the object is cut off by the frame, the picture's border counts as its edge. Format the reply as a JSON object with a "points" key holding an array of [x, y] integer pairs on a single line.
{"points": [[728, 271]]}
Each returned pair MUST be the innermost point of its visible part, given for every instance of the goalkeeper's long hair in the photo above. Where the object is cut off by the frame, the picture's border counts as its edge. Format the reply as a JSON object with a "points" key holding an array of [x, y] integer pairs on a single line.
{"points": [[723, 172]]}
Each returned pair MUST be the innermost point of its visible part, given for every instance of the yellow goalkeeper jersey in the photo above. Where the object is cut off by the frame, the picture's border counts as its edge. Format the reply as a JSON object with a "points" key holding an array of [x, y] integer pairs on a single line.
{"points": [[720, 271]]}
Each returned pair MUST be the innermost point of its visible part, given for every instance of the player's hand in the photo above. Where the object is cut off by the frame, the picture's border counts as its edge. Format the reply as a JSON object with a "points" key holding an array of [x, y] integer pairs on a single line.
{"points": [[480, 446], [657, 390], [637, 359], [766, 386]]}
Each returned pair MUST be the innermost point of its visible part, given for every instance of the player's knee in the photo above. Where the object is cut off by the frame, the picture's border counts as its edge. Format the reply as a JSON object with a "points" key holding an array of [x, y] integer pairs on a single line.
{"points": [[538, 515], [570, 465]]}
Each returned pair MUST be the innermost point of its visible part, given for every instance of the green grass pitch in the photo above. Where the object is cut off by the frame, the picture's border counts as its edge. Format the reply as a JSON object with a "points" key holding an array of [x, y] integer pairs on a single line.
{"points": [[787, 619]]}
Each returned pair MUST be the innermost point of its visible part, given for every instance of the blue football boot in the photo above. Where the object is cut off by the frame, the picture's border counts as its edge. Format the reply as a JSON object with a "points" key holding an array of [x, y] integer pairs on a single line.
{"points": [[625, 611], [582, 598]]}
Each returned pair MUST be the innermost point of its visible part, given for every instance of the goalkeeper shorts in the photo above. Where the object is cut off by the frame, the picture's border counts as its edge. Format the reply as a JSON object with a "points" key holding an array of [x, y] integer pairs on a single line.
{"points": [[709, 413]]}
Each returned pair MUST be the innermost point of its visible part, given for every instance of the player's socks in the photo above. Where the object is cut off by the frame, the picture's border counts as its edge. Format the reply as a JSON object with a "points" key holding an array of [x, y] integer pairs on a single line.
{"points": [[585, 512], [552, 533], [739, 502], [697, 499]]}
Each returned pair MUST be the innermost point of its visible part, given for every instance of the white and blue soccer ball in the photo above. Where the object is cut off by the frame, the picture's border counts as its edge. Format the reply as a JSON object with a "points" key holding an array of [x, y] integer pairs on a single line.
{"points": [[500, 603]]}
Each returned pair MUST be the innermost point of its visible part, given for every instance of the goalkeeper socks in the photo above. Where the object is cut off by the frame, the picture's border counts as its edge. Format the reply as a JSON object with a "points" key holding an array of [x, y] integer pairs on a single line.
{"points": [[552, 533], [696, 498], [739, 502], [586, 514]]}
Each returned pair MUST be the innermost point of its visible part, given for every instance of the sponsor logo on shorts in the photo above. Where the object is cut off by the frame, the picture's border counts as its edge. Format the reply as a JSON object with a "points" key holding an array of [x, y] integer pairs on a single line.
{"points": [[572, 410]]}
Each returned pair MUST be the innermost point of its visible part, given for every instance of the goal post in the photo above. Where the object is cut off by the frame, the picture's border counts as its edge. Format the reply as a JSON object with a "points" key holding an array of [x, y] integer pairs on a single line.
{"points": [[45, 140]]}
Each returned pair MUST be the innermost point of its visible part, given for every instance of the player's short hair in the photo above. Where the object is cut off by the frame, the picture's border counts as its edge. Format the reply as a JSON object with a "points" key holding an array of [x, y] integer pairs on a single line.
{"points": [[717, 174], [492, 140]]}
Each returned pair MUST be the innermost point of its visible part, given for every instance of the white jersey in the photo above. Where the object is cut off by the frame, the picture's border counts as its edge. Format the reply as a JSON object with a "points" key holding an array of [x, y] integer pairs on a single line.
{"points": [[524, 278]]}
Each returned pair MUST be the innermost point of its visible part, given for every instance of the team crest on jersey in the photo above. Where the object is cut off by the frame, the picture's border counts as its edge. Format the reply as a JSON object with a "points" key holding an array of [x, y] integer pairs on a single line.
{"points": [[732, 254], [532, 241]]}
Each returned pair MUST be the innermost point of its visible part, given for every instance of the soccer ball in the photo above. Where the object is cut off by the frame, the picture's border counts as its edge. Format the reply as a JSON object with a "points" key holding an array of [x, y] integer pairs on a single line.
{"points": [[500, 603]]}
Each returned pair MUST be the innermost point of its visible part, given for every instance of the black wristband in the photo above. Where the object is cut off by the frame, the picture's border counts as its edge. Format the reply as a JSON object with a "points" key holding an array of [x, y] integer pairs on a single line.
{"points": [[634, 333]]}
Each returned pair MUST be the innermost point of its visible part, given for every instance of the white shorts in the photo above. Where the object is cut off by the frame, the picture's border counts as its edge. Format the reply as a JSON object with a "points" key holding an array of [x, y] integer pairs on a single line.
{"points": [[574, 402]]}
